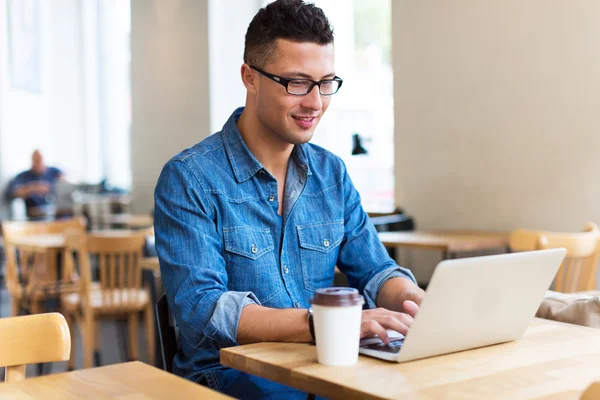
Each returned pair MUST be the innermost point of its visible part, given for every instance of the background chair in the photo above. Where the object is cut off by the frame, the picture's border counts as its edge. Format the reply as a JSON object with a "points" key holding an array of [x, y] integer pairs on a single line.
{"points": [[22, 263], [578, 270], [32, 339], [166, 332], [117, 293]]}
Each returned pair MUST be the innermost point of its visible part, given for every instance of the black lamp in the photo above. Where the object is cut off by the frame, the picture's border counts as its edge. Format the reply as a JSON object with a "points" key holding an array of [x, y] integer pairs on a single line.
{"points": [[357, 147]]}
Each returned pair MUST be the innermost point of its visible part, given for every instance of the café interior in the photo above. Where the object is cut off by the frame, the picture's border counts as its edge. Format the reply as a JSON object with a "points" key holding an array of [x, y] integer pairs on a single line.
{"points": [[469, 129]]}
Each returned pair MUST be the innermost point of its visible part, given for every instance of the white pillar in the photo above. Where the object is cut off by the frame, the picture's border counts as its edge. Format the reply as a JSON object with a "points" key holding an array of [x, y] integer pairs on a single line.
{"points": [[169, 87]]}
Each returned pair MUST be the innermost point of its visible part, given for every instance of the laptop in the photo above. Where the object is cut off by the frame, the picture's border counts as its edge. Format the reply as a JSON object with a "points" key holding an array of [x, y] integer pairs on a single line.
{"points": [[473, 302]]}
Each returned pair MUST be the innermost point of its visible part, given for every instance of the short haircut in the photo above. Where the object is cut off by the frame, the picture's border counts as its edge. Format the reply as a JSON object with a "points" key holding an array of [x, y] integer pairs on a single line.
{"points": [[292, 20]]}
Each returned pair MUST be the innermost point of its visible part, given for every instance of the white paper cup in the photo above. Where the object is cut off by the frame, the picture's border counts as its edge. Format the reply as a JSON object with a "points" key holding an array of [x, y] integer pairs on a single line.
{"points": [[337, 314]]}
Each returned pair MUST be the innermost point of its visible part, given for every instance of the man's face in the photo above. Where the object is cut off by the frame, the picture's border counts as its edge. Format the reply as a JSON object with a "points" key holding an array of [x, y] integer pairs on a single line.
{"points": [[288, 118], [37, 163]]}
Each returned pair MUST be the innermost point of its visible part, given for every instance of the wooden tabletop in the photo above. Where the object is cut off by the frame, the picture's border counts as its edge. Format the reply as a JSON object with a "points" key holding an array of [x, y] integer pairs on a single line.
{"points": [[552, 360], [446, 241], [41, 242], [130, 220], [56, 241], [132, 380]]}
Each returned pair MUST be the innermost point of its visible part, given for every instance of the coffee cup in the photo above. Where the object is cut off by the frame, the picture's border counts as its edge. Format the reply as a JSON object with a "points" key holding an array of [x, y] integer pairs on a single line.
{"points": [[337, 313]]}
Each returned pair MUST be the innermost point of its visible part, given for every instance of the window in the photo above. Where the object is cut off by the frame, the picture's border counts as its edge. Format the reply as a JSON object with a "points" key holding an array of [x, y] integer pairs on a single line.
{"points": [[75, 104], [365, 104]]}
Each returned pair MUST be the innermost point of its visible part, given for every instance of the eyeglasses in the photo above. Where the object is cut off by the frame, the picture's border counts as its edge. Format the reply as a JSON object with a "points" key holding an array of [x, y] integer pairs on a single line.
{"points": [[301, 87]]}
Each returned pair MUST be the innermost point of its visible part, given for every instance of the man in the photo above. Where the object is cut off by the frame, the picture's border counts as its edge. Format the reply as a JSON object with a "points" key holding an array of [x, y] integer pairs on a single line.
{"points": [[36, 187], [250, 221]]}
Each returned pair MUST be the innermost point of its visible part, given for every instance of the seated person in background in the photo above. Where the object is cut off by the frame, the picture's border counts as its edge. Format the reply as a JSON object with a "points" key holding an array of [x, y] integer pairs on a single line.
{"points": [[251, 220], [36, 187]]}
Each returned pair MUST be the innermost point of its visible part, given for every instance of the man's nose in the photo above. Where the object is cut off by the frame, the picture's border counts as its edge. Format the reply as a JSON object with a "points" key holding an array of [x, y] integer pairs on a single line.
{"points": [[312, 100]]}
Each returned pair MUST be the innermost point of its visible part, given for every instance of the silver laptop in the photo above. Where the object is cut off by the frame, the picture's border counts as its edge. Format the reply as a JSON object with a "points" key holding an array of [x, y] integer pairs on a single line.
{"points": [[473, 302]]}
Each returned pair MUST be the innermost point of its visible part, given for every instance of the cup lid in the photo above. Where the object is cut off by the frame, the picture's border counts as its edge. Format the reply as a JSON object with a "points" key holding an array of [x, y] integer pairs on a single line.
{"points": [[337, 297]]}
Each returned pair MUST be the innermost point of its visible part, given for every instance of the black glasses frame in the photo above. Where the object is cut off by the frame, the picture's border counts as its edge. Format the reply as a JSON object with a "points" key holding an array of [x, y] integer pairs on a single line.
{"points": [[285, 82]]}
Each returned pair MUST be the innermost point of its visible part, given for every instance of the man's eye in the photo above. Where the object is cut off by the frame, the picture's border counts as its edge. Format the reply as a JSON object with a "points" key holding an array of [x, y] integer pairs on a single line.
{"points": [[299, 84]]}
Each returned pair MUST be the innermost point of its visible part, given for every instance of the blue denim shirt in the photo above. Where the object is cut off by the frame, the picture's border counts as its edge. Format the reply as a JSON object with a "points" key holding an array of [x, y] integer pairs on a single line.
{"points": [[222, 245]]}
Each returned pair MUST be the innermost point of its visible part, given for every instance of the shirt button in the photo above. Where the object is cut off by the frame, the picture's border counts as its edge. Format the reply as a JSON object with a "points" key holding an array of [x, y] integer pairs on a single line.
{"points": [[254, 249], [293, 194], [262, 171], [272, 197], [297, 304], [286, 269], [326, 243]]}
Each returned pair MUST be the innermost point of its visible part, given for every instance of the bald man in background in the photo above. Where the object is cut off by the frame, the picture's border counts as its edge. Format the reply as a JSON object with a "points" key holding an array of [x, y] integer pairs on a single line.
{"points": [[37, 187]]}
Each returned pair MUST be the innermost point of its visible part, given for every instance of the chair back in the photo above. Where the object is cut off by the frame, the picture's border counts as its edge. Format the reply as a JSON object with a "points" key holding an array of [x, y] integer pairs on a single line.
{"points": [[578, 270], [116, 260], [32, 339], [18, 268], [166, 332]]}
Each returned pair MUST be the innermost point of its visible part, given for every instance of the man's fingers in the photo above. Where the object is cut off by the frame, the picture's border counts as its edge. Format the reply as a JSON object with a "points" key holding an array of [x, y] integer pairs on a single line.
{"points": [[410, 307], [372, 328]]}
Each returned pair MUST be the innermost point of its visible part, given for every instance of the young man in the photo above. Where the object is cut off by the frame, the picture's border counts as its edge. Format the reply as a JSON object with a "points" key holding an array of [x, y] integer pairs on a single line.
{"points": [[250, 221], [36, 187]]}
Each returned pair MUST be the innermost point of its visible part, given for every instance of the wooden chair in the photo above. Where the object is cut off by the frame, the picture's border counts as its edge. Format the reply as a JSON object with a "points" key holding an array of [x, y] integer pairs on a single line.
{"points": [[578, 271], [592, 392], [24, 279], [32, 339], [116, 294]]}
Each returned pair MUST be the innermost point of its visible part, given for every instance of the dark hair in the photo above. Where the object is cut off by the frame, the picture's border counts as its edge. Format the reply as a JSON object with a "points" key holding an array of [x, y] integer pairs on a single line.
{"points": [[292, 20]]}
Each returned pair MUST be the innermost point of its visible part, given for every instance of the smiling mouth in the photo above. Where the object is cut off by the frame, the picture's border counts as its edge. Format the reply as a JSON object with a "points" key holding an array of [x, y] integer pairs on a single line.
{"points": [[304, 118]]}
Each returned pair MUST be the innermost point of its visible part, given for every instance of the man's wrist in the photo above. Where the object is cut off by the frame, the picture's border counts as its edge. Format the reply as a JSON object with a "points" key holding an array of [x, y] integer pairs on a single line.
{"points": [[311, 324]]}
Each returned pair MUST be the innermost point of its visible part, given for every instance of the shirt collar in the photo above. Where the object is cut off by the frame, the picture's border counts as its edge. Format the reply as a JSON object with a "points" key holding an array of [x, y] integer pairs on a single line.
{"points": [[243, 162]]}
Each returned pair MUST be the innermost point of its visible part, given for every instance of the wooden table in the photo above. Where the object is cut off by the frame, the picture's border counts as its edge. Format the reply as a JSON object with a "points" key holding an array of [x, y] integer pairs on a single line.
{"points": [[552, 360], [448, 242], [132, 380], [133, 221]]}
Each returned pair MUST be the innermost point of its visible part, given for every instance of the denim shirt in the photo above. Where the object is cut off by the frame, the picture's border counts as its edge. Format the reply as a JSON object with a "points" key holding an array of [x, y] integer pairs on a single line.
{"points": [[222, 245]]}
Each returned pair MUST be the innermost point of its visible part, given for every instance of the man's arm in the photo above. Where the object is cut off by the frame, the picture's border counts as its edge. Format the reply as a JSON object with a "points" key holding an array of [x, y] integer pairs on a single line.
{"points": [[263, 324], [395, 291]]}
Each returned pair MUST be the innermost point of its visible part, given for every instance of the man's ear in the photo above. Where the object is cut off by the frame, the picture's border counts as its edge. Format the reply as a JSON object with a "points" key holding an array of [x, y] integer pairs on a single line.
{"points": [[249, 79]]}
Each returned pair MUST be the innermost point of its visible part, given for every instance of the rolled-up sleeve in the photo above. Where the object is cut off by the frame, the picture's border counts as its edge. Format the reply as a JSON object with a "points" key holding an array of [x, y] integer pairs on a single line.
{"points": [[363, 258], [190, 249]]}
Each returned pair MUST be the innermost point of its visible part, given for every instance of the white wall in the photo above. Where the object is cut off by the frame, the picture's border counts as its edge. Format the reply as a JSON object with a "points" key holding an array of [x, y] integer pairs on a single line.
{"points": [[497, 113], [169, 87]]}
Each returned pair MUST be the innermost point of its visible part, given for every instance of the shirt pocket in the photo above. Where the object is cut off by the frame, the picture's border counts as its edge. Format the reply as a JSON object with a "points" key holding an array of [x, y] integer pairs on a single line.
{"points": [[319, 248], [250, 262]]}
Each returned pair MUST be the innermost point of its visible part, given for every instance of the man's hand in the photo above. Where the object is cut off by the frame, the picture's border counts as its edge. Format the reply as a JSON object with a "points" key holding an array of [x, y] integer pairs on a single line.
{"points": [[376, 321], [40, 188]]}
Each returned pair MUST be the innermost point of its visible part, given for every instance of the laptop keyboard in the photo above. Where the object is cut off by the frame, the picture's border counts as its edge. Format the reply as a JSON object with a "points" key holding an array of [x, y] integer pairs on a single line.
{"points": [[392, 347]]}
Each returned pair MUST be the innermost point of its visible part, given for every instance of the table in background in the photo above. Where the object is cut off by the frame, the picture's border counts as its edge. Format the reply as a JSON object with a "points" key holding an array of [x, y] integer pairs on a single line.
{"points": [[449, 243], [131, 221], [132, 380], [552, 360]]}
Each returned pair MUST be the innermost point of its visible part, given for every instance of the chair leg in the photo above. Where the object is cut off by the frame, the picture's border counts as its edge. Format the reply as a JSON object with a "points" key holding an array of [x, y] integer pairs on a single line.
{"points": [[97, 344], [133, 336], [72, 326], [151, 344], [14, 307], [88, 340]]}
